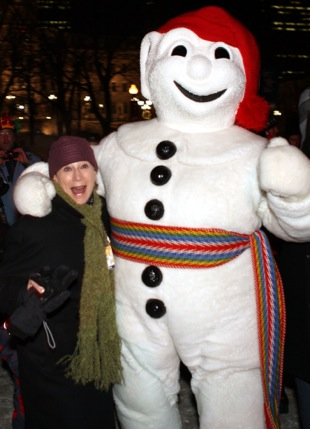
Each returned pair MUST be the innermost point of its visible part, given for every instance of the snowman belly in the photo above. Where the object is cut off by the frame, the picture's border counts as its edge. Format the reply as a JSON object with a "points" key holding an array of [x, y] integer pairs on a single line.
{"points": [[201, 313]]}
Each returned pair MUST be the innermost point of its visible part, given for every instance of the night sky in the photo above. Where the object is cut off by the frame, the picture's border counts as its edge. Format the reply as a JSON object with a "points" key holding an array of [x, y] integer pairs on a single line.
{"points": [[141, 16]]}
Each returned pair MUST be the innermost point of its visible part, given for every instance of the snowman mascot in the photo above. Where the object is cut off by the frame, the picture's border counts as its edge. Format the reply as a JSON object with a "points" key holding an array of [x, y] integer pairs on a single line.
{"points": [[188, 193]]}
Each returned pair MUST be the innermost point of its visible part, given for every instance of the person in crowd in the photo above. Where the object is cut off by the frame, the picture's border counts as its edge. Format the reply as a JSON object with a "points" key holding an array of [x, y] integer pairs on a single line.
{"points": [[13, 161], [304, 120], [294, 138], [58, 290], [294, 265], [293, 133], [272, 129]]}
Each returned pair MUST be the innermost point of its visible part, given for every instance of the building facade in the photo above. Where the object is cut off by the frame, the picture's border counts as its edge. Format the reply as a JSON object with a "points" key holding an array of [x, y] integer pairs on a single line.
{"points": [[60, 72]]}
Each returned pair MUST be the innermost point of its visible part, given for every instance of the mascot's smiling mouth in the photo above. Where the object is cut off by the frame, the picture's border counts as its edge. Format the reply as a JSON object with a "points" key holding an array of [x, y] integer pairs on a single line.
{"points": [[199, 98]]}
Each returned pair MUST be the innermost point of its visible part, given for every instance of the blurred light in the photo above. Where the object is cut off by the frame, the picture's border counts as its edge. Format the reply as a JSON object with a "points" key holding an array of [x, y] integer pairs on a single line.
{"points": [[133, 89]]}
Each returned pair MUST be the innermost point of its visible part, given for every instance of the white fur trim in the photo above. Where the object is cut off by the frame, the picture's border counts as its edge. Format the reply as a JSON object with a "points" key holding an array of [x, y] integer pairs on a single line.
{"points": [[34, 191]]}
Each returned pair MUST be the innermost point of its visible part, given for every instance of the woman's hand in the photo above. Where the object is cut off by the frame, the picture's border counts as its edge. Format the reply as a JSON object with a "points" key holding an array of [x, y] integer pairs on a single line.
{"points": [[32, 284]]}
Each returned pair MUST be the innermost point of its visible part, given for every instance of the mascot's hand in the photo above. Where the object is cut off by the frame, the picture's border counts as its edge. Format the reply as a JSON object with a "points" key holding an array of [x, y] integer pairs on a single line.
{"points": [[34, 191], [284, 171]]}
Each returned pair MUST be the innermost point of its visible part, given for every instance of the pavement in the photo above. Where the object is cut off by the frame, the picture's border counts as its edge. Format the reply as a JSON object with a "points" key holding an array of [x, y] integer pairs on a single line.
{"points": [[186, 403]]}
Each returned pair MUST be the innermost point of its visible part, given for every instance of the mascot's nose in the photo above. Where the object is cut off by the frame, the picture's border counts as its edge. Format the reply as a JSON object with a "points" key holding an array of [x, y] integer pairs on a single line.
{"points": [[198, 67]]}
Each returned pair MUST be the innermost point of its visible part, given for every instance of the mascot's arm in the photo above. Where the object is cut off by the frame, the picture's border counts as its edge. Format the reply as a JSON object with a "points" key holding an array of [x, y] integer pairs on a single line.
{"points": [[103, 153], [34, 191], [284, 177]]}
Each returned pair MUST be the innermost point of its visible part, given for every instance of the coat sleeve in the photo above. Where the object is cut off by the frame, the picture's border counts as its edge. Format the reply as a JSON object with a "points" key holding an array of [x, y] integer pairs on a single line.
{"points": [[13, 271]]}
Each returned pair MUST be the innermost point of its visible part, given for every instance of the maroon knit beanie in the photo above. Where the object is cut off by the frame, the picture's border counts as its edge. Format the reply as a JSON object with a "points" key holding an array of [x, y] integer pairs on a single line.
{"points": [[69, 149]]}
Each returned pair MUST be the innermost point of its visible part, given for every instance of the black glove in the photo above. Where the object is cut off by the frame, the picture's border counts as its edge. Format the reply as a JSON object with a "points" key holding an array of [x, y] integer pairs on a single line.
{"points": [[56, 285], [27, 319]]}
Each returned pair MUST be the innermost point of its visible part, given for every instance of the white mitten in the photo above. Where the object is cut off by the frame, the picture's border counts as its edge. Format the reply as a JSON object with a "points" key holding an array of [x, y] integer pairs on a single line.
{"points": [[284, 171], [34, 191]]}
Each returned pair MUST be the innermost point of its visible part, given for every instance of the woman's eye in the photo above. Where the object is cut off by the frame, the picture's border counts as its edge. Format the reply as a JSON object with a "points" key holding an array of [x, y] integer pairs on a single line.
{"points": [[180, 50], [221, 53]]}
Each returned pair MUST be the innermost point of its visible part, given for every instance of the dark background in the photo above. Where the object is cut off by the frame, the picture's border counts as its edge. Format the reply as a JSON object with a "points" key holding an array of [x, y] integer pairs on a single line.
{"points": [[141, 16]]}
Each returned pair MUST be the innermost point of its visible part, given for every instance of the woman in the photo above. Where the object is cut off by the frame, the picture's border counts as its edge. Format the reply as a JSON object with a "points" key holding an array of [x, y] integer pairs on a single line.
{"points": [[69, 349]]}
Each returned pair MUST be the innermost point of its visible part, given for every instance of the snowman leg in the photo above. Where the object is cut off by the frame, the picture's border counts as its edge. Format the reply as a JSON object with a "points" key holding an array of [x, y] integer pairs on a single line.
{"points": [[147, 399], [230, 399]]}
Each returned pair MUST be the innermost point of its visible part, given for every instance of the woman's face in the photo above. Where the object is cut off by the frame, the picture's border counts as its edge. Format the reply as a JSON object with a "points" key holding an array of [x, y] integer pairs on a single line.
{"points": [[77, 180]]}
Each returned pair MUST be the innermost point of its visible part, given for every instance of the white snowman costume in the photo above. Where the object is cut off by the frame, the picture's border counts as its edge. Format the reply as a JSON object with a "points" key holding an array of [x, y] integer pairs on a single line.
{"points": [[188, 193]]}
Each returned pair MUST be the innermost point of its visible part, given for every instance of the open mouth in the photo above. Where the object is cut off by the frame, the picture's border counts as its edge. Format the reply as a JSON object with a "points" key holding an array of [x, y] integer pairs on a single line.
{"points": [[199, 98], [78, 190]]}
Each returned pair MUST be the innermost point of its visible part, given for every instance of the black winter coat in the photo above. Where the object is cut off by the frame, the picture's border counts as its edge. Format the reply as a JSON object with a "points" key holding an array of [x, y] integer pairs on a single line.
{"points": [[51, 400], [294, 265]]}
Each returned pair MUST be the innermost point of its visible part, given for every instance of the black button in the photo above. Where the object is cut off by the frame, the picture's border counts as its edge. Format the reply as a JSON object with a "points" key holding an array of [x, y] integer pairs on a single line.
{"points": [[155, 308], [152, 276], [154, 209], [165, 149], [160, 175]]}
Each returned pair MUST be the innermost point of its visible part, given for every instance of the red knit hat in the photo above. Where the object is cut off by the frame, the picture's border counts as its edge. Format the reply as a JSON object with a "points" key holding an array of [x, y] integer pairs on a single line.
{"points": [[214, 24], [7, 123], [69, 149]]}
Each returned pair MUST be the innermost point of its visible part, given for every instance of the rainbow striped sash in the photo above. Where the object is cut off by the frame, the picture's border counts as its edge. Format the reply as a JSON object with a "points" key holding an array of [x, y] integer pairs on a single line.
{"points": [[197, 248]]}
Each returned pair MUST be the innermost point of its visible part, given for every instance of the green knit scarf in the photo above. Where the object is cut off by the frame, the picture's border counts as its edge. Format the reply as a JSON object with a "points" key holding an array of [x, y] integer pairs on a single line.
{"points": [[96, 357]]}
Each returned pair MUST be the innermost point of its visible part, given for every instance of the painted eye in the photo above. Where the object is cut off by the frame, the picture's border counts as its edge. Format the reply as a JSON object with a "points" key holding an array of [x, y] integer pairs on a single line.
{"points": [[180, 50], [221, 53]]}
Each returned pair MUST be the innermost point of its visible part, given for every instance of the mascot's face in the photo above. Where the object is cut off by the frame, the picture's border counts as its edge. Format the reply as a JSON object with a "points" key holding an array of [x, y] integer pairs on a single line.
{"points": [[191, 79]]}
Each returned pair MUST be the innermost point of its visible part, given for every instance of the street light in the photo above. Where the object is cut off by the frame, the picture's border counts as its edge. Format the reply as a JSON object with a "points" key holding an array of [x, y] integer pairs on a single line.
{"points": [[145, 107], [133, 90]]}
